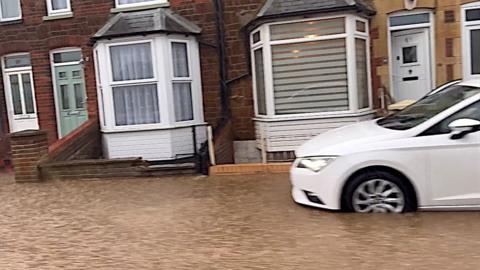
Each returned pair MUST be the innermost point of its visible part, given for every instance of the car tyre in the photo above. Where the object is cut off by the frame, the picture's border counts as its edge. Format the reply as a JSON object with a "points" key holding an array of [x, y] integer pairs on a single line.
{"points": [[363, 193]]}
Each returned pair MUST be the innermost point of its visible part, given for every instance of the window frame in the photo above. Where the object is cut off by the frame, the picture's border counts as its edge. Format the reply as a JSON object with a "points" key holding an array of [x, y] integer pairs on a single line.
{"points": [[433, 129], [188, 79], [163, 73], [65, 11], [112, 83], [2, 19], [467, 28], [349, 35], [18, 71], [141, 4]]}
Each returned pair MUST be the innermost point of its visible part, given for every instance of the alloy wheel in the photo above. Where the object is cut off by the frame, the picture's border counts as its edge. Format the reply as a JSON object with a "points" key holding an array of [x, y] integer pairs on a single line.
{"points": [[378, 196]]}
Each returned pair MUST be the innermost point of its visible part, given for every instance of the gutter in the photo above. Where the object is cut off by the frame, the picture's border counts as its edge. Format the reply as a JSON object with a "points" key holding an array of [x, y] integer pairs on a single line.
{"points": [[265, 18]]}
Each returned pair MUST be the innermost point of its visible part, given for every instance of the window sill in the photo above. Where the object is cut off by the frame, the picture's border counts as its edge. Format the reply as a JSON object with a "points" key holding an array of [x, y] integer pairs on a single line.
{"points": [[58, 16], [11, 22], [313, 116], [150, 128], [140, 7]]}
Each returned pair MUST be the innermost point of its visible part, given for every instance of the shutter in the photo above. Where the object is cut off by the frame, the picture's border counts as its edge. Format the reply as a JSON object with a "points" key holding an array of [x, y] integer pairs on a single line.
{"points": [[307, 29], [310, 77]]}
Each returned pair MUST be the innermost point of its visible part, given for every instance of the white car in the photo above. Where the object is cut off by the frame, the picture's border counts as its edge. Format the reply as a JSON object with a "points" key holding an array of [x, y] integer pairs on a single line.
{"points": [[426, 156]]}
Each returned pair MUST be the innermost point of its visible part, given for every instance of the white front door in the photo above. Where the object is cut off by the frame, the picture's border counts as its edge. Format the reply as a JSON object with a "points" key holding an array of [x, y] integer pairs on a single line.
{"points": [[412, 77], [20, 97]]}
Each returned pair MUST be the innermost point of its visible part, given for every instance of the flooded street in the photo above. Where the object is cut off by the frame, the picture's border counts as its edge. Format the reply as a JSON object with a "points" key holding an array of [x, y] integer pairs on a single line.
{"points": [[243, 222]]}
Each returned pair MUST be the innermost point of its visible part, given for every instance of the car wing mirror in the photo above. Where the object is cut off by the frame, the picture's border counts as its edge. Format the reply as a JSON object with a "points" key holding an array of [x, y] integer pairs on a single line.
{"points": [[461, 127]]}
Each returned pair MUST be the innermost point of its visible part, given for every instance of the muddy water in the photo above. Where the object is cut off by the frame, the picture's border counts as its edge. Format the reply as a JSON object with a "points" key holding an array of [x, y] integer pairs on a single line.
{"points": [[216, 223]]}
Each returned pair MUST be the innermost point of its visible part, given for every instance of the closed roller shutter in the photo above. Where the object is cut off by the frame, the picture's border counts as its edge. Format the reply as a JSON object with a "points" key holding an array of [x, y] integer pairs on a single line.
{"points": [[310, 77]]}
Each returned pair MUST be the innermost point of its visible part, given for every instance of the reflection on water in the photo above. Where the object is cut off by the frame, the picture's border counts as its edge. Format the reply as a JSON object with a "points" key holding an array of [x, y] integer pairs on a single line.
{"points": [[243, 222]]}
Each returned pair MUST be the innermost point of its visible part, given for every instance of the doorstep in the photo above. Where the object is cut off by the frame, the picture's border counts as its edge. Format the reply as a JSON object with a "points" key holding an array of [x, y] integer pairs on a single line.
{"points": [[246, 169]]}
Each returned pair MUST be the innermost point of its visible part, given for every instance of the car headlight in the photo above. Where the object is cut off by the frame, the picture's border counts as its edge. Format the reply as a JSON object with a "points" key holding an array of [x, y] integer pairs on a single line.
{"points": [[314, 164]]}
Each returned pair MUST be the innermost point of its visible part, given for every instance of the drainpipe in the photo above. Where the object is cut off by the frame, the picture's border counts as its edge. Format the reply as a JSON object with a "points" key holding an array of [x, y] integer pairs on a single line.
{"points": [[222, 61]]}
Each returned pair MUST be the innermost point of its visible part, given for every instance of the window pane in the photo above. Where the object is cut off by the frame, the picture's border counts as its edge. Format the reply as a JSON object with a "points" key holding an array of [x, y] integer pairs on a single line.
{"points": [[79, 99], [28, 93], [66, 57], [125, 2], [17, 61], [410, 54], [10, 8], [16, 99], [59, 4], [65, 97], [310, 77], [182, 94], [410, 19], [180, 59], [256, 37], [260, 82], [136, 105], [362, 73], [473, 15], [475, 51], [309, 29], [361, 26], [131, 62]]}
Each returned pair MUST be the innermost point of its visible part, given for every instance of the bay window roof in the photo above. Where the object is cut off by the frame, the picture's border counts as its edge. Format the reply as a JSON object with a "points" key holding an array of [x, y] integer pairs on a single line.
{"points": [[160, 20], [282, 7]]}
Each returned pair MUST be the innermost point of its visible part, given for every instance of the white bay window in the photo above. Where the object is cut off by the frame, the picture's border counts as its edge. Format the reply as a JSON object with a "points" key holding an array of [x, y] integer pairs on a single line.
{"points": [[149, 84], [309, 76], [311, 67]]}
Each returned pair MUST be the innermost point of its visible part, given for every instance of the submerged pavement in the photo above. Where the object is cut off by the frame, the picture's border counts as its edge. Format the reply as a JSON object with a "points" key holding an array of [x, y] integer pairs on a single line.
{"points": [[241, 222]]}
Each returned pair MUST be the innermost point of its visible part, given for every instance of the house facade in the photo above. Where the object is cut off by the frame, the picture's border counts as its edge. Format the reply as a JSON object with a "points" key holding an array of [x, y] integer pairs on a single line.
{"points": [[267, 74]]}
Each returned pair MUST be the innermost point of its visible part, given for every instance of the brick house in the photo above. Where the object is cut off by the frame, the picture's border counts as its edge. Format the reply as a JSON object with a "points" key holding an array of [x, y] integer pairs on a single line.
{"points": [[278, 71]]}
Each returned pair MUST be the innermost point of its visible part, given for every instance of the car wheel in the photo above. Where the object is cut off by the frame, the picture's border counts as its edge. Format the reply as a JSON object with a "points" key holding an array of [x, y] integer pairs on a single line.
{"points": [[378, 192]]}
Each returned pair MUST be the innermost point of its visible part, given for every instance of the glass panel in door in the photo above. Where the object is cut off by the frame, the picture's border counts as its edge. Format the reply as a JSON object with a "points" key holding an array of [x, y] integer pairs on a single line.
{"points": [[71, 96], [16, 95]]}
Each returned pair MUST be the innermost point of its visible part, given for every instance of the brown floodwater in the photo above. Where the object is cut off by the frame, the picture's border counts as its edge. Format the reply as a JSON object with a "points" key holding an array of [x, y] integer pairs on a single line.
{"points": [[241, 222]]}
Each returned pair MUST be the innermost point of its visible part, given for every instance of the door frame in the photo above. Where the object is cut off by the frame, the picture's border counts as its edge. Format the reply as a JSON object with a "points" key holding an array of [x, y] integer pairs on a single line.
{"points": [[53, 65], [430, 26], [7, 90]]}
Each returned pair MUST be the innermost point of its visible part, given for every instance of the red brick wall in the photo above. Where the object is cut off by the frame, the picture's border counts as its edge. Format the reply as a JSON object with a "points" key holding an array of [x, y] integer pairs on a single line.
{"points": [[202, 13], [28, 148], [39, 37]]}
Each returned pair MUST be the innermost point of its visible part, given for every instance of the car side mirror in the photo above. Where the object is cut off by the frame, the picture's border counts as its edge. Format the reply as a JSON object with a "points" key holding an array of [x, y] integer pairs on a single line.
{"points": [[461, 127]]}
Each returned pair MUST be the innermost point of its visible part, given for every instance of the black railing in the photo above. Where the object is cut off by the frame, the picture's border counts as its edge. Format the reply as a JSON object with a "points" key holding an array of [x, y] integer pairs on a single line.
{"points": [[201, 156]]}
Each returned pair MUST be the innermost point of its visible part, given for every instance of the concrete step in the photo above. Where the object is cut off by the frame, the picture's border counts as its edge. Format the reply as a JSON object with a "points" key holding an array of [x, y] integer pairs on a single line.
{"points": [[170, 169]]}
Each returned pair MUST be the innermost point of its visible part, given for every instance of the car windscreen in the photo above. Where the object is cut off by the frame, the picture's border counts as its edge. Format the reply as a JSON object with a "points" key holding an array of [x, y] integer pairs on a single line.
{"points": [[428, 107]]}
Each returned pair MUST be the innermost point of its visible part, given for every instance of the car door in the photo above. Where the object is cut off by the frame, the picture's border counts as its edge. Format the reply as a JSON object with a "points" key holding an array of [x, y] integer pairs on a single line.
{"points": [[453, 165]]}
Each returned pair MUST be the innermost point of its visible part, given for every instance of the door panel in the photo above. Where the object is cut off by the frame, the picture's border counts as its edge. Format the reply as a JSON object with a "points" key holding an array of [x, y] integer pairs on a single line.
{"points": [[454, 169], [454, 165], [411, 64], [71, 97]]}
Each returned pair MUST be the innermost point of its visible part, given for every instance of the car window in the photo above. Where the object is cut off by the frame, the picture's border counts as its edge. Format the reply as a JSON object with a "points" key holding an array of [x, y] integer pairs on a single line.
{"points": [[428, 107], [470, 112]]}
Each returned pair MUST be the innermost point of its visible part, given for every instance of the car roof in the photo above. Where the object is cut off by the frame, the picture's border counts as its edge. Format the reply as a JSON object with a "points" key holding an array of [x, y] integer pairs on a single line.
{"points": [[470, 82]]}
